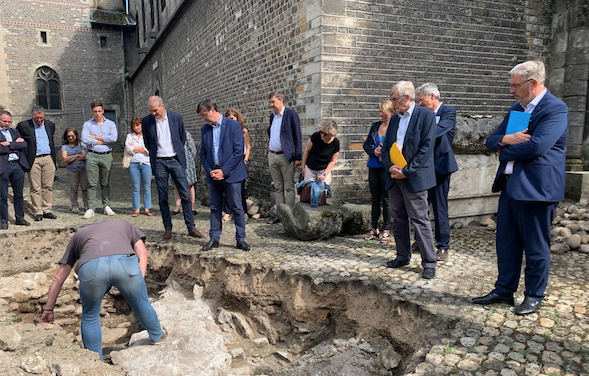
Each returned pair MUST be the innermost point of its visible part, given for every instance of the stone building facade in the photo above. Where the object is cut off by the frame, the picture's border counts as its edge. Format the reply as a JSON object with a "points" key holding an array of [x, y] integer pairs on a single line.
{"points": [[333, 59], [62, 54]]}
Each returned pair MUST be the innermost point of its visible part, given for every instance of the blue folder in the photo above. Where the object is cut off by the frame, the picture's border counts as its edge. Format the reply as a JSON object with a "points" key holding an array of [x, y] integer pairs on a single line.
{"points": [[518, 121]]}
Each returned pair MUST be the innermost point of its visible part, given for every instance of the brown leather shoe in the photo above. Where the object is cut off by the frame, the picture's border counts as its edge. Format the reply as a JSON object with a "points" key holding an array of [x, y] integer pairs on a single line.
{"points": [[168, 234], [415, 248], [441, 254], [274, 221], [195, 233]]}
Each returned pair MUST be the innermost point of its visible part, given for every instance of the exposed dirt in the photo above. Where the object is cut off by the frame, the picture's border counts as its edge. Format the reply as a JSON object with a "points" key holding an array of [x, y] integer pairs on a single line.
{"points": [[344, 328]]}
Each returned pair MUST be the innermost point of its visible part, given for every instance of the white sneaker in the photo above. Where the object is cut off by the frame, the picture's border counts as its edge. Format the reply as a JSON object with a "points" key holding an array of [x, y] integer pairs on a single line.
{"points": [[89, 214], [108, 211]]}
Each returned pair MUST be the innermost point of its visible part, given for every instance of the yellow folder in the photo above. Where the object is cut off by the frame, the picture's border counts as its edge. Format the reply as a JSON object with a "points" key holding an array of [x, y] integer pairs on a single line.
{"points": [[396, 156]]}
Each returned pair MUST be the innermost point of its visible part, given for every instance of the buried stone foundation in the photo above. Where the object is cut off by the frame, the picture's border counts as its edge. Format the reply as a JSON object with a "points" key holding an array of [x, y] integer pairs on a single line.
{"points": [[256, 319]]}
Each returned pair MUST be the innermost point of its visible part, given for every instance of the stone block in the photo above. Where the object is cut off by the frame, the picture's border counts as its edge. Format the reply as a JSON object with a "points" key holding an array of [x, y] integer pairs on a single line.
{"points": [[9, 339], [357, 218], [341, 80], [308, 223], [577, 185]]}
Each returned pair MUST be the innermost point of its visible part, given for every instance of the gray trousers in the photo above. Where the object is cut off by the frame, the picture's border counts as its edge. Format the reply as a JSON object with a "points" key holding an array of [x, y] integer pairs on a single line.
{"points": [[282, 174], [411, 208]]}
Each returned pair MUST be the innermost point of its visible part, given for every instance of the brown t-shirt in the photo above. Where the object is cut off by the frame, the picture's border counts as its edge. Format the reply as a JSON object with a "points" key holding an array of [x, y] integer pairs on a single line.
{"points": [[114, 237]]}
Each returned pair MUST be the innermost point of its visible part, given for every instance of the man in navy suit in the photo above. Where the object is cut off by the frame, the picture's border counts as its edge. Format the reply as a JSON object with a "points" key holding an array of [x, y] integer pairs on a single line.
{"points": [[531, 179], [284, 150], [221, 154], [13, 164], [428, 96], [413, 128], [164, 137], [38, 133]]}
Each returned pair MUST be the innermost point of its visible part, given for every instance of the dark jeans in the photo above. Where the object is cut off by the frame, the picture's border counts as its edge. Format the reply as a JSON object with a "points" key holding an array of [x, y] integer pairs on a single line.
{"points": [[172, 167], [15, 176], [380, 197]]}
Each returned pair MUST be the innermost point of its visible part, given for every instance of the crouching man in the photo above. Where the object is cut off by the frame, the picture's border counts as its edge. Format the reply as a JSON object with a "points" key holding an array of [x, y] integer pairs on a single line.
{"points": [[108, 253]]}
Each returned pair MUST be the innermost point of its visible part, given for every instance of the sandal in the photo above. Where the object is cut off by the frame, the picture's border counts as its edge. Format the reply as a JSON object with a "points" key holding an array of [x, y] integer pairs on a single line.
{"points": [[373, 234], [148, 213], [385, 237], [226, 218], [135, 213]]}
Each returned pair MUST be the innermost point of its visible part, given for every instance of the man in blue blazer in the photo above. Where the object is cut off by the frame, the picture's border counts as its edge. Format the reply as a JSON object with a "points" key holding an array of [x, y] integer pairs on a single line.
{"points": [[164, 137], [13, 164], [284, 150], [428, 96], [531, 179], [221, 154], [413, 129]]}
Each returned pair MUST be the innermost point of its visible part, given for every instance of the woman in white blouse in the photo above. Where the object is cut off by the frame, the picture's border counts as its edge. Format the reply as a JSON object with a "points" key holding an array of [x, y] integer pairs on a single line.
{"points": [[139, 168]]}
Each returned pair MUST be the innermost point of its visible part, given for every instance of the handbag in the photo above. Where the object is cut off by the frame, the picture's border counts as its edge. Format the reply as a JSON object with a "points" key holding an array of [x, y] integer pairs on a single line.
{"points": [[127, 159], [305, 195]]}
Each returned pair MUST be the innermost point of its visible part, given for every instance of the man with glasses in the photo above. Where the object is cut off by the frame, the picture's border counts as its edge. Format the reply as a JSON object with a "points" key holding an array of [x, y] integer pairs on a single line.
{"points": [[413, 129], [284, 150], [13, 164], [221, 155], [164, 136], [428, 96], [38, 133], [531, 179]]}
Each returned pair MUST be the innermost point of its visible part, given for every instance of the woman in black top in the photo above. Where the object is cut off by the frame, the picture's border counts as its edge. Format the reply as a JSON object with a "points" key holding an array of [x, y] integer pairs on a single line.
{"points": [[321, 153]]}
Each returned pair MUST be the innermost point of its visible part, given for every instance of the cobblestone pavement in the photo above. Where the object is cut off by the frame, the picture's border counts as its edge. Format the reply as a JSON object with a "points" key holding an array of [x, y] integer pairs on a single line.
{"points": [[486, 341]]}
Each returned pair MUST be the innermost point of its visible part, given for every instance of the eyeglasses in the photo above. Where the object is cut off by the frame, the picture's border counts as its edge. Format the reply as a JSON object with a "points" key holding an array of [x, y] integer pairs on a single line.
{"points": [[204, 114], [71, 135], [324, 134], [513, 86], [394, 99]]}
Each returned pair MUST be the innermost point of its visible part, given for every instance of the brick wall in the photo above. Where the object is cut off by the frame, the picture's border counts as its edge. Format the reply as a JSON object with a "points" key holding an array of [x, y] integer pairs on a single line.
{"points": [[86, 71], [337, 59]]}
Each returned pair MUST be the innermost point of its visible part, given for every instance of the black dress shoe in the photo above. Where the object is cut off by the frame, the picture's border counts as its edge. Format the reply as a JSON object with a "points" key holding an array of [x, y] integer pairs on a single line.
{"points": [[21, 222], [210, 245], [528, 306], [38, 217], [174, 212], [4, 226], [243, 245], [428, 273], [492, 298], [49, 215], [396, 263]]}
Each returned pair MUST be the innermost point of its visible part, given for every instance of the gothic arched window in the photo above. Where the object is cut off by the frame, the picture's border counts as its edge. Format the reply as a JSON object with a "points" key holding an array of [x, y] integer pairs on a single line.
{"points": [[48, 88]]}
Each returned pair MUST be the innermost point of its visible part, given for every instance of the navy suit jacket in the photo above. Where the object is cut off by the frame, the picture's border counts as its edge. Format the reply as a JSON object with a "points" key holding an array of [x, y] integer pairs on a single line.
{"points": [[230, 151], [14, 147], [290, 135], [443, 154], [27, 131], [539, 169], [176, 130], [418, 150]]}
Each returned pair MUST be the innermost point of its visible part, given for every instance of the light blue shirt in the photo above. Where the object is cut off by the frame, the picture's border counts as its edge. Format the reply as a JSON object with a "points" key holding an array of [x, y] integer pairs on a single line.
{"points": [[108, 131], [403, 125], [217, 140], [42, 139], [275, 144], [8, 136]]}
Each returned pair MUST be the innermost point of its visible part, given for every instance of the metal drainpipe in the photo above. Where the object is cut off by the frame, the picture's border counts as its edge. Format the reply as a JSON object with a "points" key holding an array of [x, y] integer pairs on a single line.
{"points": [[124, 75]]}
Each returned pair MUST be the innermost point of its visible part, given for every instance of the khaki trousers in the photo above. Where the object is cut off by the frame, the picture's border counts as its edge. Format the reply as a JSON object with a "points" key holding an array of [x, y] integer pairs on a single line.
{"points": [[282, 173], [41, 181], [98, 171]]}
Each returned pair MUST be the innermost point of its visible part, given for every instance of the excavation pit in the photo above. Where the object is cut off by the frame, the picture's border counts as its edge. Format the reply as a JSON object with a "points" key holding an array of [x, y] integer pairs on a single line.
{"points": [[262, 320]]}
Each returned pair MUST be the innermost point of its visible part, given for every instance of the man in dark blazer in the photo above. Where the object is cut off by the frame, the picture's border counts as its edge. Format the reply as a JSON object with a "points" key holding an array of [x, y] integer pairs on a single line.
{"points": [[413, 129], [13, 164], [221, 155], [38, 132], [531, 179], [284, 150], [428, 96], [164, 137]]}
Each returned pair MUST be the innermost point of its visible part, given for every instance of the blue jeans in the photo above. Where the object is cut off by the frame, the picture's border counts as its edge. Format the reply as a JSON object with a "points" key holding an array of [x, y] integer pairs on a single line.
{"points": [[140, 174], [172, 168], [96, 278]]}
